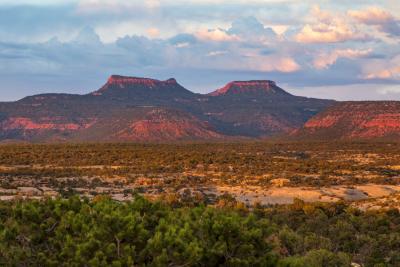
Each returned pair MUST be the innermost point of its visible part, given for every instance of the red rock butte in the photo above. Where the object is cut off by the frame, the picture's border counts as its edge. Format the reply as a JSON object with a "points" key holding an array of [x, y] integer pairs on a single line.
{"points": [[254, 86], [126, 82]]}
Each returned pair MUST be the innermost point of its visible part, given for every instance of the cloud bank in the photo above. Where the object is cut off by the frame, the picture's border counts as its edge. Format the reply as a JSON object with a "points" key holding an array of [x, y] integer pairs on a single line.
{"points": [[72, 46]]}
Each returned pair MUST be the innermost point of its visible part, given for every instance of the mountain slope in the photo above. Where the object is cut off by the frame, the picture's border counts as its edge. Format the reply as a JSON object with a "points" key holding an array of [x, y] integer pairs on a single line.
{"points": [[354, 120], [143, 109], [148, 124], [261, 108]]}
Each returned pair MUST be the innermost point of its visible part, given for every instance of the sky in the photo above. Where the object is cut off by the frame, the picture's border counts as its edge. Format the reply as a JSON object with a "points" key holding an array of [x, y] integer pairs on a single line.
{"points": [[344, 50]]}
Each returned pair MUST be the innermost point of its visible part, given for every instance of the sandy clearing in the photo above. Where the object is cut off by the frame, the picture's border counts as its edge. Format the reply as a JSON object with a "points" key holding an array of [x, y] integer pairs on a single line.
{"points": [[374, 190], [286, 195]]}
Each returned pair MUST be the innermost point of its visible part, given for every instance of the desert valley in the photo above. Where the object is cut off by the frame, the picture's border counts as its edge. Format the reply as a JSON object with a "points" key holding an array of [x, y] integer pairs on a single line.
{"points": [[199, 133], [269, 147], [247, 147]]}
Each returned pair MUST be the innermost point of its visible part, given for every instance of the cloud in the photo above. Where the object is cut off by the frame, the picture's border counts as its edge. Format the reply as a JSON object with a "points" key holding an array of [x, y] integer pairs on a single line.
{"points": [[277, 63], [114, 6], [324, 33], [390, 73], [357, 92], [378, 17], [324, 60], [216, 35], [87, 36], [284, 64], [383, 69], [153, 32], [389, 90], [216, 53], [152, 3], [34, 2], [371, 15], [183, 38], [239, 39], [328, 28], [250, 29]]}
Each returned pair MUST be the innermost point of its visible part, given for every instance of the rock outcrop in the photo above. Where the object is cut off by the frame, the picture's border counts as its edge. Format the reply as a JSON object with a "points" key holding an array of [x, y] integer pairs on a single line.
{"points": [[250, 87], [354, 120]]}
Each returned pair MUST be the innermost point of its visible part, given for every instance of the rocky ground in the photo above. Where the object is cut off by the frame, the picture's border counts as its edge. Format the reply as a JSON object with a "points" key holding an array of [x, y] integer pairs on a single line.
{"points": [[367, 174]]}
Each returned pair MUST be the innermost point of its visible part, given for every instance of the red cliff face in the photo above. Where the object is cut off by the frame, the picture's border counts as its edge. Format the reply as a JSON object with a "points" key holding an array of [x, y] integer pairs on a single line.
{"points": [[248, 87], [167, 125], [26, 124], [43, 129], [347, 120], [322, 122], [121, 82]]}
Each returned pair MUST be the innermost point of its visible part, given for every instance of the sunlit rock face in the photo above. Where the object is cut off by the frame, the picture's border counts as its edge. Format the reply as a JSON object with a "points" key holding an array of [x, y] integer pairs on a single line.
{"points": [[355, 120], [250, 87], [124, 82], [167, 125], [144, 91], [45, 123]]}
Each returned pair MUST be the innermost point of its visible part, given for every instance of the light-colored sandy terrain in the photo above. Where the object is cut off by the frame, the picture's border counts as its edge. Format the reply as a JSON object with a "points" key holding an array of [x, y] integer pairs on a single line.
{"points": [[286, 195], [246, 194]]}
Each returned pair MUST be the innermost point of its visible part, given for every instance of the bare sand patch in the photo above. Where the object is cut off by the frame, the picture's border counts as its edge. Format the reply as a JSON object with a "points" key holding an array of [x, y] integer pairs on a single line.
{"points": [[395, 167], [374, 190], [286, 195], [345, 193]]}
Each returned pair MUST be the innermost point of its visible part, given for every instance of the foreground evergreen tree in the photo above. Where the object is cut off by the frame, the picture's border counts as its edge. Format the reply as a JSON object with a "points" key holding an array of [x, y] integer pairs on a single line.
{"points": [[102, 232]]}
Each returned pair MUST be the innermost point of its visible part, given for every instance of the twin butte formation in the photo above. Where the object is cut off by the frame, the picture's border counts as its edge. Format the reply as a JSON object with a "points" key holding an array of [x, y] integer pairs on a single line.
{"points": [[129, 109]]}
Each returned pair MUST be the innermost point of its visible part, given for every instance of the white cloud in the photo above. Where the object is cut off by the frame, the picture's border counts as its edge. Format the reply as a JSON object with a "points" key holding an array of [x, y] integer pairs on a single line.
{"points": [[152, 3], [376, 16], [327, 28], [110, 32], [216, 53], [371, 15], [279, 29], [251, 30], [271, 63], [389, 73], [217, 35], [324, 60], [153, 32], [182, 45], [383, 69]]}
